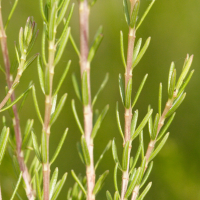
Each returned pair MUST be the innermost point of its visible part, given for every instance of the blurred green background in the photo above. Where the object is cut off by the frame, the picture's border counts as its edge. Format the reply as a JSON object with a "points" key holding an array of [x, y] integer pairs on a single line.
{"points": [[175, 31]]}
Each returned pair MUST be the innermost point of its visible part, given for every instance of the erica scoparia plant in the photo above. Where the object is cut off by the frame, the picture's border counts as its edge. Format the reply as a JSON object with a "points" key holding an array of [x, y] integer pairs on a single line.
{"points": [[39, 182], [134, 172]]}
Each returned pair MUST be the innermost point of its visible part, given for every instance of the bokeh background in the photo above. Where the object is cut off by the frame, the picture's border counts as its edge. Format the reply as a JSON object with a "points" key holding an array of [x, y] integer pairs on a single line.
{"points": [[175, 31]]}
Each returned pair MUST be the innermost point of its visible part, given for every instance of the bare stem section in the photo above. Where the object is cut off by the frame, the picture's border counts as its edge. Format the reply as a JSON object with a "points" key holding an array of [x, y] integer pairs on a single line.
{"points": [[88, 113], [16, 122]]}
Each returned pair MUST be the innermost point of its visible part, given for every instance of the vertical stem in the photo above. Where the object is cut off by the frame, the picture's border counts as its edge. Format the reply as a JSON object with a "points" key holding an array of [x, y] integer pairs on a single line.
{"points": [[128, 112], [85, 65], [16, 122], [47, 116]]}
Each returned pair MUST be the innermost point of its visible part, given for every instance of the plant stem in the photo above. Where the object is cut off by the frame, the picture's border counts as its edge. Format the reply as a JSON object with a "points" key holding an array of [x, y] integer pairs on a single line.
{"points": [[128, 111], [152, 143], [47, 116], [16, 122], [88, 113]]}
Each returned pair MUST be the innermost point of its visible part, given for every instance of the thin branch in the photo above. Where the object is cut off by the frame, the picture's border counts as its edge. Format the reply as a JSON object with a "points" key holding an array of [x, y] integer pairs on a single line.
{"points": [[16, 122], [152, 143], [88, 113], [128, 111]]}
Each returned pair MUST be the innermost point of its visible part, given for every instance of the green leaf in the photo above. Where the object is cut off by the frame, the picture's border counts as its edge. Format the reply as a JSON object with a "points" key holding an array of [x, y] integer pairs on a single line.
{"points": [[36, 104], [134, 122], [184, 73], [78, 181], [128, 94], [100, 89], [38, 189], [146, 176], [136, 158], [160, 100], [159, 147], [172, 85], [16, 186], [76, 117], [92, 2], [59, 186], [85, 94], [141, 54], [98, 122], [62, 77], [132, 175], [54, 102], [176, 104], [30, 61], [136, 49], [80, 152], [185, 83], [53, 182], [43, 43], [76, 87], [3, 142], [141, 141], [100, 182], [118, 122], [108, 195], [126, 12], [122, 49], [58, 109], [36, 147], [155, 127], [171, 70], [21, 40], [134, 14], [16, 100], [141, 197], [125, 156], [42, 11], [103, 153], [145, 13], [11, 13], [142, 124], [115, 177], [97, 40], [62, 11], [166, 126], [59, 146], [40, 73], [29, 126], [121, 89], [143, 164], [52, 22], [44, 149], [85, 151], [16, 165], [74, 45], [66, 25], [115, 156], [2, 69], [133, 183], [116, 196], [62, 45]]}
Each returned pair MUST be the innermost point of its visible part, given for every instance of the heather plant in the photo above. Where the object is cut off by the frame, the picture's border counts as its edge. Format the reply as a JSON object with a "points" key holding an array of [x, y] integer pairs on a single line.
{"points": [[31, 155]]}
